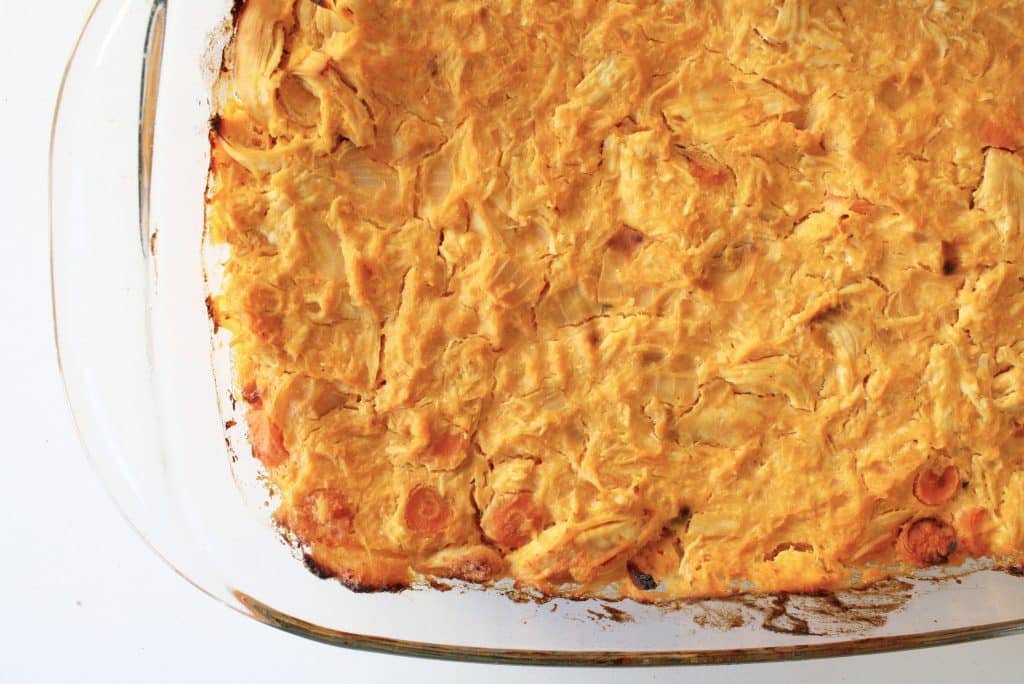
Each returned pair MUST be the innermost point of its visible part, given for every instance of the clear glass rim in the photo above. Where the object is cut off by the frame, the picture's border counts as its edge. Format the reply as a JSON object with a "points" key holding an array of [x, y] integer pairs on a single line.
{"points": [[252, 607], [864, 646]]}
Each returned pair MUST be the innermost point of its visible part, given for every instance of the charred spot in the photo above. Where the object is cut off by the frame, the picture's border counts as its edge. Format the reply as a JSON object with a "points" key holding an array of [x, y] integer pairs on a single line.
{"points": [[318, 569], [950, 258], [357, 586], [230, 424], [594, 338], [627, 240], [642, 580], [319, 3], [348, 579], [236, 9], [215, 123]]}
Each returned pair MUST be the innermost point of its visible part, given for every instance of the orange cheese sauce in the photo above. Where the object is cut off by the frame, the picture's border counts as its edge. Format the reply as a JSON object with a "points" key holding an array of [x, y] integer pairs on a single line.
{"points": [[665, 298]]}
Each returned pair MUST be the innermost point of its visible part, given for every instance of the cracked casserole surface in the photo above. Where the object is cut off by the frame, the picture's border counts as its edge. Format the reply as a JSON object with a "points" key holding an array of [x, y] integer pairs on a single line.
{"points": [[659, 298]]}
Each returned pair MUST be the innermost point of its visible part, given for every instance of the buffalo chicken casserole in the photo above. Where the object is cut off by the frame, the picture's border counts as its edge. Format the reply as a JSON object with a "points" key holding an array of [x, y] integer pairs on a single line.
{"points": [[651, 299]]}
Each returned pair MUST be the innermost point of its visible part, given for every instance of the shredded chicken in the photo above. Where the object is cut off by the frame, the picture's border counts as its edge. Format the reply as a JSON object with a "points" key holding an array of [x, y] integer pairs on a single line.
{"points": [[665, 298]]}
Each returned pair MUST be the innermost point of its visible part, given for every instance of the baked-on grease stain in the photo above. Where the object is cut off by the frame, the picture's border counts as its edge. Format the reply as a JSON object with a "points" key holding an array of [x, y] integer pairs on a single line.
{"points": [[610, 613], [779, 620]]}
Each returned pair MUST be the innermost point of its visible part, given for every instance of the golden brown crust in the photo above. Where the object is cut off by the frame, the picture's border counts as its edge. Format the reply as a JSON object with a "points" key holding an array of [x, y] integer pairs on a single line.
{"points": [[508, 294]]}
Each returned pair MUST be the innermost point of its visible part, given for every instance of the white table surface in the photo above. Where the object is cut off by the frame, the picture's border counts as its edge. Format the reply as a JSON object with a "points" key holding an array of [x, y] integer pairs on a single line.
{"points": [[84, 600]]}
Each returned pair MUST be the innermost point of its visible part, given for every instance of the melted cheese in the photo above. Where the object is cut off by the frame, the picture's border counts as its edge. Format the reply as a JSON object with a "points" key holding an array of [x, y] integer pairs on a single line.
{"points": [[605, 296]]}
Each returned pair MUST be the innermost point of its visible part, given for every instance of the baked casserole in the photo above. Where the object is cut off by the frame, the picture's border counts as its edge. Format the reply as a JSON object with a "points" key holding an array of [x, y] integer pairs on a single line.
{"points": [[653, 299]]}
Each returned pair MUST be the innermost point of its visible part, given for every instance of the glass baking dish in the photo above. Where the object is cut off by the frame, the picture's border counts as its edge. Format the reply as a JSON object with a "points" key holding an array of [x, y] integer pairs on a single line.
{"points": [[147, 380]]}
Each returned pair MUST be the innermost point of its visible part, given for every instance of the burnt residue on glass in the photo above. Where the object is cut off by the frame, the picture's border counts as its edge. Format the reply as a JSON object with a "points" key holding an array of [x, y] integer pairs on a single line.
{"points": [[610, 613], [236, 9], [211, 313], [825, 613], [835, 613], [1016, 570]]}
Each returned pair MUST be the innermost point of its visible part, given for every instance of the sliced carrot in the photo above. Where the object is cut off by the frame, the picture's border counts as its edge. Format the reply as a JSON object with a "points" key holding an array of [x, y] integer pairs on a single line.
{"points": [[426, 511], [934, 488], [267, 439], [512, 521], [927, 541]]}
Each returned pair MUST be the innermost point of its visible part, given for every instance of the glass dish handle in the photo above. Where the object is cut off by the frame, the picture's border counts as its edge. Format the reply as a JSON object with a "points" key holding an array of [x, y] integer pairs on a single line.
{"points": [[102, 327]]}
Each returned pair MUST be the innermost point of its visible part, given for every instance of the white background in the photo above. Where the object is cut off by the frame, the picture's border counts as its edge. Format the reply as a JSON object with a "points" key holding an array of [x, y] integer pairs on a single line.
{"points": [[84, 600]]}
